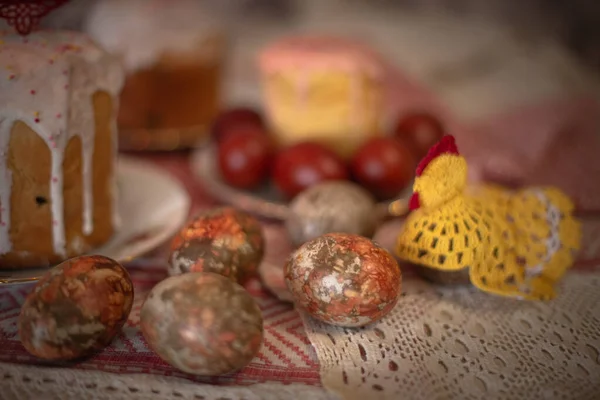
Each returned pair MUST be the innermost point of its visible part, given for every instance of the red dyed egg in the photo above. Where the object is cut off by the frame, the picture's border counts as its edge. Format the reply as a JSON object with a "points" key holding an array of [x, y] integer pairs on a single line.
{"points": [[76, 309], [420, 130], [384, 166], [230, 120], [344, 279], [244, 157], [304, 165], [202, 323], [224, 240]]}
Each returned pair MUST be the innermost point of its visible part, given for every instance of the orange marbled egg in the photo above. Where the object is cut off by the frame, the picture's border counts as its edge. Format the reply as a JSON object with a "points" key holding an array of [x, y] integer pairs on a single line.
{"points": [[344, 279], [76, 309], [222, 240]]}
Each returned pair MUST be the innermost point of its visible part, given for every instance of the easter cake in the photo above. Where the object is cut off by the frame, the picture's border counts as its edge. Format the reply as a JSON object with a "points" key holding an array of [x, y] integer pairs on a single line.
{"points": [[58, 105], [323, 89], [172, 59]]}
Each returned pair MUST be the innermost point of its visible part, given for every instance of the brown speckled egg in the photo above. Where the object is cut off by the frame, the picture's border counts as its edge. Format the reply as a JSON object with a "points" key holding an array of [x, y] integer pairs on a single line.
{"points": [[76, 309], [223, 240], [333, 206], [202, 323], [344, 279]]}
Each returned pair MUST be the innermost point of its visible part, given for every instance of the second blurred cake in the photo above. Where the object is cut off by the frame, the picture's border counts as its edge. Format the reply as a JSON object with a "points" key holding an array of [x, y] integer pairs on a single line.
{"points": [[323, 89], [173, 58]]}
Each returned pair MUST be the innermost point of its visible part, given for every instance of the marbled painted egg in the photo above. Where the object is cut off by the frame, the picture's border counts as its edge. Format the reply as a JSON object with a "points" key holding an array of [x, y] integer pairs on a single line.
{"points": [[223, 240], [332, 206], [343, 279], [202, 323], [76, 309]]}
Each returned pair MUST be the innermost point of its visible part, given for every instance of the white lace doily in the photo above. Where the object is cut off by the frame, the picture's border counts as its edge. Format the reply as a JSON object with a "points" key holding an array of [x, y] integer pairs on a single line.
{"points": [[19, 382], [459, 343]]}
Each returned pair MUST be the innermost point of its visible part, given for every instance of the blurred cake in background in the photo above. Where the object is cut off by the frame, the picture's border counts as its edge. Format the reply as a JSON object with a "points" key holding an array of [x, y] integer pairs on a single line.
{"points": [[323, 89], [173, 59], [58, 106]]}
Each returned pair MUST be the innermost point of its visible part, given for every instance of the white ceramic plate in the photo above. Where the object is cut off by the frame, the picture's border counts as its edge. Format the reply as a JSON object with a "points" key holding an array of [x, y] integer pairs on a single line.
{"points": [[264, 201], [152, 205]]}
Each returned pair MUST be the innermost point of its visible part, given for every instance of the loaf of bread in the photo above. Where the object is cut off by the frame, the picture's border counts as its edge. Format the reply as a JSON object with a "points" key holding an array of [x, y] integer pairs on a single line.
{"points": [[58, 106]]}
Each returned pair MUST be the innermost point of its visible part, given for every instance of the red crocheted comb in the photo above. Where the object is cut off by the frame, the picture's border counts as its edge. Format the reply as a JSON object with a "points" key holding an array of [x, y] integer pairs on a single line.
{"points": [[446, 145], [25, 15]]}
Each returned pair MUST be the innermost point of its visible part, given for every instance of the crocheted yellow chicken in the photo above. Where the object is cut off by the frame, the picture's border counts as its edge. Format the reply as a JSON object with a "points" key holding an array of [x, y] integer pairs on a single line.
{"points": [[514, 243]]}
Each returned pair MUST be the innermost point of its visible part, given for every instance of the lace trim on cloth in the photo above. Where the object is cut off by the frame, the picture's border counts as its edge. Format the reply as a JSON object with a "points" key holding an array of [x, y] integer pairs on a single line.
{"points": [[27, 382], [459, 343]]}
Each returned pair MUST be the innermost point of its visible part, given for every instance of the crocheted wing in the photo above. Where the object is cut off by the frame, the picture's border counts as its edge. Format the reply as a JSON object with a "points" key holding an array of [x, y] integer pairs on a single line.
{"points": [[543, 238]]}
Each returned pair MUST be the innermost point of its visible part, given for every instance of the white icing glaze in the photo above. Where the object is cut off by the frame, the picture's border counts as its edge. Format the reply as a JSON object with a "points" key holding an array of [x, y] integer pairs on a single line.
{"points": [[141, 31], [47, 81]]}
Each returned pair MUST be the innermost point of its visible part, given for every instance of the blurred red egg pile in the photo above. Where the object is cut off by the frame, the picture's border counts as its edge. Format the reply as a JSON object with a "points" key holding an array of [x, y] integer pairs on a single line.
{"points": [[248, 156]]}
